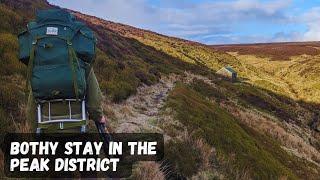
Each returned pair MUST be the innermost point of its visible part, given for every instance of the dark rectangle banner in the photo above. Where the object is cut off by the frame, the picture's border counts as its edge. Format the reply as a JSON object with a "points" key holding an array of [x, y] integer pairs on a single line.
{"points": [[78, 155]]}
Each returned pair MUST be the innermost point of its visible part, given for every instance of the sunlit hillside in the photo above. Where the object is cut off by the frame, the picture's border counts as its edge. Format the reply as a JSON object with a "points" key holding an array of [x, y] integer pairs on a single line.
{"points": [[263, 126], [290, 69]]}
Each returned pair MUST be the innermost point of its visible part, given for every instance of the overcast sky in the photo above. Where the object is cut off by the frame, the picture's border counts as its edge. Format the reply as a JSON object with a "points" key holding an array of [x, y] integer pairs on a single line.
{"points": [[212, 21]]}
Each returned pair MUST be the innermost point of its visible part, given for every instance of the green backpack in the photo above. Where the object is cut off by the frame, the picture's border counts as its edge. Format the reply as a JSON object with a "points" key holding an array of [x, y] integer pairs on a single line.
{"points": [[59, 52]]}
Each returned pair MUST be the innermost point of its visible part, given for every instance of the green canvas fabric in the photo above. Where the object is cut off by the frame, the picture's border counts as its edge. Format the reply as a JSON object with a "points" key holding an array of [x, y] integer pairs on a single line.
{"points": [[83, 41], [59, 51], [59, 110], [54, 15]]}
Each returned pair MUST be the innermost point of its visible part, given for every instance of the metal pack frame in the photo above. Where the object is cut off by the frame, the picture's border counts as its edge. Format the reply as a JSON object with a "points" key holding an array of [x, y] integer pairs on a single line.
{"points": [[61, 121]]}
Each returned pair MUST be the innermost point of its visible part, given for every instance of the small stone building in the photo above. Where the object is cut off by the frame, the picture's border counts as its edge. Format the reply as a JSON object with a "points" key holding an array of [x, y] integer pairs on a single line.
{"points": [[228, 72]]}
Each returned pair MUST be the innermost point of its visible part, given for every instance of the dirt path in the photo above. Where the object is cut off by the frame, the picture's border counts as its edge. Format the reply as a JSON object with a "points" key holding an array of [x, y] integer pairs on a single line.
{"points": [[140, 112]]}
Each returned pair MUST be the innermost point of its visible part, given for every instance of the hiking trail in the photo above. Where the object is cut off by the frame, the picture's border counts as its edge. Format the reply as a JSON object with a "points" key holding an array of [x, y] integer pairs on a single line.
{"points": [[140, 112]]}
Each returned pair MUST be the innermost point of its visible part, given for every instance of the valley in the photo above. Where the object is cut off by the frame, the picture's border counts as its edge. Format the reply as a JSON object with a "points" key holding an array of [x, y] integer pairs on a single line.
{"points": [[263, 126]]}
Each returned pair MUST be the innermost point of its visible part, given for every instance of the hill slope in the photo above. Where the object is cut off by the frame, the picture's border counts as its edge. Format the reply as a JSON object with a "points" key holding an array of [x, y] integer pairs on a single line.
{"points": [[288, 68], [164, 84]]}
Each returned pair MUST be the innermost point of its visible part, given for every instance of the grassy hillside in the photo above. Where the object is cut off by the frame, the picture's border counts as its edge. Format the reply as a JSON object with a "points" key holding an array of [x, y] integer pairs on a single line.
{"points": [[258, 127], [242, 152], [287, 68]]}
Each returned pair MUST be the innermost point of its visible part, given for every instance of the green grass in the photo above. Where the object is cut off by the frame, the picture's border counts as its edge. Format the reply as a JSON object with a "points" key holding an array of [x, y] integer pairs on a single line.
{"points": [[239, 148], [294, 78], [184, 157], [209, 91], [125, 62], [264, 101], [10, 20], [250, 96], [12, 82]]}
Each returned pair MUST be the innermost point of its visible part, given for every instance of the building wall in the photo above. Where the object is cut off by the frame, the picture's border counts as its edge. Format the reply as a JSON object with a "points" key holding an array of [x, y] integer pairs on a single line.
{"points": [[224, 72]]}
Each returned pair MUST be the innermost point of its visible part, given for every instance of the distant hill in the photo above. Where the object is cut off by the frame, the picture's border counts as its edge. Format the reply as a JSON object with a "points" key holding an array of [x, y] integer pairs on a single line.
{"points": [[292, 68], [276, 51], [264, 126]]}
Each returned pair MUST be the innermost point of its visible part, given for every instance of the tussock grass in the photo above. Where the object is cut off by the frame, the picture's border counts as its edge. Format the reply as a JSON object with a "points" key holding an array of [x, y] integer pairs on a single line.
{"points": [[148, 171], [128, 57], [242, 151], [188, 155]]}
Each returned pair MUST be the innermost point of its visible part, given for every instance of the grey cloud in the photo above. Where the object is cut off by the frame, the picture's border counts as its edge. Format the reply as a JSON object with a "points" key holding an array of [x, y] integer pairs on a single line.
{"points": [[132, 12], [312, 19], [204, 22], [216, 18], [235, 39], [287, 37], [195, 30], [236, 10]]}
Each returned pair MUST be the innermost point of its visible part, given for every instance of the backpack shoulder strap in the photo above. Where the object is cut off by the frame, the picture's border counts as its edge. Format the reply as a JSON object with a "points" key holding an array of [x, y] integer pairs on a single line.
{"points": [[30, 64]]}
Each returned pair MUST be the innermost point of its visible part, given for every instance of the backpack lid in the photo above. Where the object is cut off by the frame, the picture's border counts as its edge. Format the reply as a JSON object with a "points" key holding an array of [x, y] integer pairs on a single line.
{"points": [[54, 15]]}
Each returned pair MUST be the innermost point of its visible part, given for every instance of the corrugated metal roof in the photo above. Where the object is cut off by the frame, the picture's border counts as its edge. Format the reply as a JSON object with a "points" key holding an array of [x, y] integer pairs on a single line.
{"points": [[230, 69]]}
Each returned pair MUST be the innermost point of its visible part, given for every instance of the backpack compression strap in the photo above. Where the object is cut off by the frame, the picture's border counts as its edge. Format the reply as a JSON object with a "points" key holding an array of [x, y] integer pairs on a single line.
{"points": [[72, 61], [30, 65]]}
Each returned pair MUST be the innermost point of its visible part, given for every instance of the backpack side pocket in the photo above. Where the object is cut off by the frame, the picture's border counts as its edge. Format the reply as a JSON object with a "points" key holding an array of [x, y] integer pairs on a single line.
{"points": [[84, 44], [25, 43]]}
